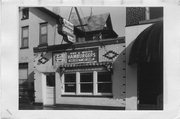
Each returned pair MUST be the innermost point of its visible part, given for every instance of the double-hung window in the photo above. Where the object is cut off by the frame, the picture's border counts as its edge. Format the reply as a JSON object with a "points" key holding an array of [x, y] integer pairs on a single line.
{"points": [[43, 34], [25, 37], [95, 83]]}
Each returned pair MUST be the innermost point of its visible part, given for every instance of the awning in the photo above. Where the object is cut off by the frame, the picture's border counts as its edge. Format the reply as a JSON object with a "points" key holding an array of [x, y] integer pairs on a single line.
{"points": [[148, 46], [69, 65]]}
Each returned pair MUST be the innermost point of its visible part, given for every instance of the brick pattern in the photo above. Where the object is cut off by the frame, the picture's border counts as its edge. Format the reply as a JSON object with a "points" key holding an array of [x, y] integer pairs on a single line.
{"points": [[134, 15]]}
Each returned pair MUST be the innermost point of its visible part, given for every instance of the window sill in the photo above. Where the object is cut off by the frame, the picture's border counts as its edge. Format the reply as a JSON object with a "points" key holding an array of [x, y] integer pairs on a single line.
{"points": [[100, 96], [24, 48], [24, 18], [41, 45]]}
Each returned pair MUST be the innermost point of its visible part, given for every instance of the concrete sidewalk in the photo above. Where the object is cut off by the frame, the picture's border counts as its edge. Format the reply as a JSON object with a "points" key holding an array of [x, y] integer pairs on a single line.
{"points": [[65, 107]]}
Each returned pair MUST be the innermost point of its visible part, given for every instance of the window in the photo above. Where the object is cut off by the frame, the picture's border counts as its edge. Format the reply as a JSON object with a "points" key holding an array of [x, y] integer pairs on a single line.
{"points": [[23, 73], [86, 82], [104, 82], [95, 83], [25, 37], [50, 79], [70, 83], [43, 34], [25, 13]]}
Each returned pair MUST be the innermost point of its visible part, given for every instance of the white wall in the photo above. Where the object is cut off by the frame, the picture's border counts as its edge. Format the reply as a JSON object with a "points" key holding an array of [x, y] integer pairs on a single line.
{"points": [[26, 55], [118, 99]]}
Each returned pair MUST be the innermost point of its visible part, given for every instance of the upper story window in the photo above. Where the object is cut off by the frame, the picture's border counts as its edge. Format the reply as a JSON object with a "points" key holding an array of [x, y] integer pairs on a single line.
{"points": [[25, 37], [43, 34], [25, 13]]}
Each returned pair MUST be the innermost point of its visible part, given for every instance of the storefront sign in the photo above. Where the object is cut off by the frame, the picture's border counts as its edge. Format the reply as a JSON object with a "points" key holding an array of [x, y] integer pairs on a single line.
{"points": [[59, 58], [84, 55], [68, 24], [68, 29]]}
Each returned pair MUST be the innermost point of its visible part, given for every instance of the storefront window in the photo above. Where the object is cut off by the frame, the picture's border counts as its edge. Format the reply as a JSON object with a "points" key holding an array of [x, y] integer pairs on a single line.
{"points": [[104, 82], [70, 83], [86, 83]]}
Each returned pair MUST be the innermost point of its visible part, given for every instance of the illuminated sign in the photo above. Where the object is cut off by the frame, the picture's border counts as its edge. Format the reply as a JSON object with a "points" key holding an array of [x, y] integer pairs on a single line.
{"points": [[84, 55]]}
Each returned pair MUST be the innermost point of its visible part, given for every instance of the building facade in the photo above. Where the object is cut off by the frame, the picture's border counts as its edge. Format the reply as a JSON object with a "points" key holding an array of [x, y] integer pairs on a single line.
{"points": [[90, 72], [94, 70], [36, 28]]}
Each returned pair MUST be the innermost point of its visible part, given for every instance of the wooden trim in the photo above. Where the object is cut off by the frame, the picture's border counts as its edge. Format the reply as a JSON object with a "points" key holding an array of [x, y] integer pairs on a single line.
{"points": [[64, 47]]}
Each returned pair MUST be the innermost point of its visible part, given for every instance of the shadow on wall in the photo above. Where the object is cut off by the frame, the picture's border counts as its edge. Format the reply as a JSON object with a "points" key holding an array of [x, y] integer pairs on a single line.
{"points": [[27, 88]]}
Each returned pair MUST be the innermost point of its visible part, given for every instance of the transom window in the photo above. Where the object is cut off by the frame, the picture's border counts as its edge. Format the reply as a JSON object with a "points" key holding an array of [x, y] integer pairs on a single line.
{"points": [[25, 37], [43, 34], [87, 83]]}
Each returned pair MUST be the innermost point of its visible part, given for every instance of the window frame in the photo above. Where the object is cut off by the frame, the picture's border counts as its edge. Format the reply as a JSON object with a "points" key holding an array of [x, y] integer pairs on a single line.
{"points": [[100, 93], [24, 10], [78, 83], [41, 35], [63, 83], [86, 93], [24, 38]]}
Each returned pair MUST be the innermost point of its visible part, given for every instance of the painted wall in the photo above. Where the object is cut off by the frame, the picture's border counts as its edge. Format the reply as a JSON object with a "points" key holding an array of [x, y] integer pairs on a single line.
{"points": [[35, 18], [118, 84], [131, 70]]}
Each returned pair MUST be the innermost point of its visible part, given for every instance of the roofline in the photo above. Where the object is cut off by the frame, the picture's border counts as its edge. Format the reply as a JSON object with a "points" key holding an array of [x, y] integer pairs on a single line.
{"points": [[64, 47], [49, 12]]}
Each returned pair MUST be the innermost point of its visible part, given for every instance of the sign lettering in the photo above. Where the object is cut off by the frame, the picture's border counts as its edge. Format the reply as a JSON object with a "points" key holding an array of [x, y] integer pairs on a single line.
{"points": [[86, 55]]}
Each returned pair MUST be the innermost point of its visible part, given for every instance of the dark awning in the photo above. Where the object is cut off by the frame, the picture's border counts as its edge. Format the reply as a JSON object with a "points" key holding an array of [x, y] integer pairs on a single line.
{"points": [[148, 46]]}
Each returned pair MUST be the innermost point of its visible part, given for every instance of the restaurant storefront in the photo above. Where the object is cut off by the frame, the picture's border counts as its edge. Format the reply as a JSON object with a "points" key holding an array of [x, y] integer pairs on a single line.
{"points": [[90, 74]]}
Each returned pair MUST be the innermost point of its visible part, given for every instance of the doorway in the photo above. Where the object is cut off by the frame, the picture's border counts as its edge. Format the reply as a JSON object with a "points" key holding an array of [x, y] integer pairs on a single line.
{"points": [[50, 89], [150, 86]]}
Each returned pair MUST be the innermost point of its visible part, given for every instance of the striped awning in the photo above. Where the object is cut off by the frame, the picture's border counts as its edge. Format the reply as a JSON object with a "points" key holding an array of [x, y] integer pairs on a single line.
{"points": [[92, 64]]}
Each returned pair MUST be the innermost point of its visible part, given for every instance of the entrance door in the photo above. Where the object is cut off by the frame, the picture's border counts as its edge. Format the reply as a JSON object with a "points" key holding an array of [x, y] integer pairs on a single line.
{"points": [[50, 89], [150, 86]]}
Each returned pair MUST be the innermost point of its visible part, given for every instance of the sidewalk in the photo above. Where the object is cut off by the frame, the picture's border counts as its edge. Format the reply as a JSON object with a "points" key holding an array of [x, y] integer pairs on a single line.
{"points": [[65, 107]]}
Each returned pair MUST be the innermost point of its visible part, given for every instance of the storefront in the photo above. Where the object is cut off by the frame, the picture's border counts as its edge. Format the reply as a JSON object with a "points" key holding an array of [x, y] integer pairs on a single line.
{"points": [[90, 74]]}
